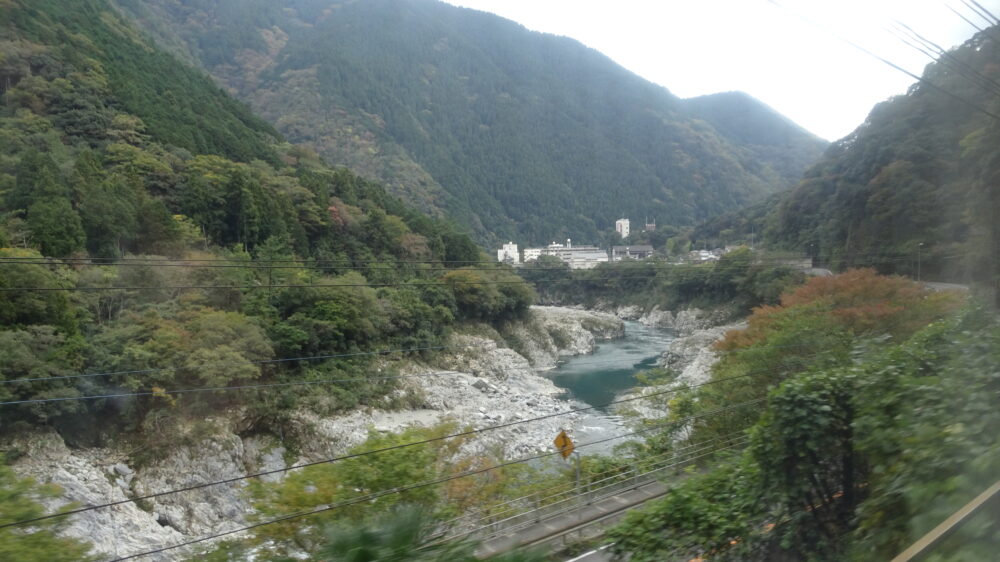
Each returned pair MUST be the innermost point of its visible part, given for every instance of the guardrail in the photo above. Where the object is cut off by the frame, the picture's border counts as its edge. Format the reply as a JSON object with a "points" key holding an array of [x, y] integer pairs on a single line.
{"points": [[530, 510], [928, 542]]}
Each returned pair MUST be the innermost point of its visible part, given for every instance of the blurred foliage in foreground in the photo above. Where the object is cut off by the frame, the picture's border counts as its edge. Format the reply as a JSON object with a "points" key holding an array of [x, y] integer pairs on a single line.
{"points": [[880, 422]]}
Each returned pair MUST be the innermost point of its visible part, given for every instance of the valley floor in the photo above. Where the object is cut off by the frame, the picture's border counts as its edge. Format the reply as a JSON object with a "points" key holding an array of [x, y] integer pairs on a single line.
{"points": [[481, 383]]}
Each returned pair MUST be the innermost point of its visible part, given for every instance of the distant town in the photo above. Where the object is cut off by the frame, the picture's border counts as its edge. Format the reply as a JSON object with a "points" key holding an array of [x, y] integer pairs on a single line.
{"points": [[588, 257]]}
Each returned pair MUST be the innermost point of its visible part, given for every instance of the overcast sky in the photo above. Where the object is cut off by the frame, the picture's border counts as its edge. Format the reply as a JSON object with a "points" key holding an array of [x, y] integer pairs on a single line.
{"points": [[784, 56]]}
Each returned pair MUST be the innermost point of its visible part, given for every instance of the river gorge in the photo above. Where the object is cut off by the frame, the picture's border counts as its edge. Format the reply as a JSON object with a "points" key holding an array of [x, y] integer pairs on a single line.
{"points": [[547, 366]]}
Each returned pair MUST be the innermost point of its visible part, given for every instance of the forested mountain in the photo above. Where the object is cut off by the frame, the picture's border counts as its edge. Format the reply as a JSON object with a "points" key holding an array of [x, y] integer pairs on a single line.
{"points": [[155, 231], [914, 186], [515, 133]]}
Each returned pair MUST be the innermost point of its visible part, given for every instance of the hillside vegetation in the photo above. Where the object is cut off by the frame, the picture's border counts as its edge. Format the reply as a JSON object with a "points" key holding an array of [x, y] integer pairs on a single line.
{"points": [[156, 237], [517, 134], [868, 406], [913, 188]]}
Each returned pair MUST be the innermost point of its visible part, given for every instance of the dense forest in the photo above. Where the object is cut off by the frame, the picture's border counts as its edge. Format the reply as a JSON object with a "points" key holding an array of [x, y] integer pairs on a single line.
{"points": [[166, 256], [517, 134], [912, 190], [150, 221], [867, 404], [737, 282]]}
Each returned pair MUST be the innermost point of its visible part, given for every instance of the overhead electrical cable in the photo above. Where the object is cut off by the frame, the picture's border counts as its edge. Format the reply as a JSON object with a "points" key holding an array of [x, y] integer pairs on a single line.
{"points": [[310, 265], [610, 276], [887, 62], [401, 489], [307, 358], [356, 455], [982, 12], [948, 60], [381, 352], [967, 20], [164, 392], [508, 506]]}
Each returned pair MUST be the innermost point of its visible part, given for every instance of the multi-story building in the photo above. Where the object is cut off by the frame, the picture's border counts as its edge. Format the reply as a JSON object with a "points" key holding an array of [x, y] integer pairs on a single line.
{"points": [[531, 254], [578, 257], [637, 252], [508, 254], [622, 227]]}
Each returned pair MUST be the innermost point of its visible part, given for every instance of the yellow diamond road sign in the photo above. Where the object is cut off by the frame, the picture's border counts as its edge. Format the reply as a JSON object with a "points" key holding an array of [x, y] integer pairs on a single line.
{"points": [[564, 444]]}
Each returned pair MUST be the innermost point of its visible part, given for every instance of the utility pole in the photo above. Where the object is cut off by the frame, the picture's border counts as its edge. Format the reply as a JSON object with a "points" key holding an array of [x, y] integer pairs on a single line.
{"points": [[576, 455], [919, 247]]}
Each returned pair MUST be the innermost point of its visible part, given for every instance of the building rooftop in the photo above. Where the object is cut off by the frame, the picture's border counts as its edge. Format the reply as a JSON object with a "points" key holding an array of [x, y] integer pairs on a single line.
{"points": [[634, 248]]}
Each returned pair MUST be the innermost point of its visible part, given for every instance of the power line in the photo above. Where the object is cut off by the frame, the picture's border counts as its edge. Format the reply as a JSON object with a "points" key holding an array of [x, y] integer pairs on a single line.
{"points": [[401, 489], [382, 352], [294, 264], [675, 460], [611, 473], [980, 11], [222, 388], [253, 386], [606, 276], [886, 61], [967, 20], [937, 53], [365, 453]]}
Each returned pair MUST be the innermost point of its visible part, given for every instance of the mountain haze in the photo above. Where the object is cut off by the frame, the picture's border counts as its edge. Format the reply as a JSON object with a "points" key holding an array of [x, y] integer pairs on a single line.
{"points": [[515, 133], [913, 190], [180, 245]]}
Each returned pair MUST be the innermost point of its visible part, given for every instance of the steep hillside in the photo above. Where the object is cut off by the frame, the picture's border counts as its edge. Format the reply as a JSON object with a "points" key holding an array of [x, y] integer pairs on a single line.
{"points": [[771, 138], [177, 105], [188, 252], [516, 133], [914, 187]]}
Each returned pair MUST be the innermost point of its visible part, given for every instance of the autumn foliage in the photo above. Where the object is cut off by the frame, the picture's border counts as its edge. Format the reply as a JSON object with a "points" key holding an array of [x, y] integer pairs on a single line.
{"points": [[859, 302]]}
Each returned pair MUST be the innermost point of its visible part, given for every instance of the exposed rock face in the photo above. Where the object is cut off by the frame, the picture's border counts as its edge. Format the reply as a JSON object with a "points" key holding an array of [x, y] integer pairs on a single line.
{"points": [[691, 357], [482, 385], [219, 508], [628, 312], [554, 332], [682, 322], [687, 321], [91, 477]]}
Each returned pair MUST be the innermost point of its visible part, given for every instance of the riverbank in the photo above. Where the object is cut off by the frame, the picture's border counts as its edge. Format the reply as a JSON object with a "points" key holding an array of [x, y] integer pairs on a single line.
{"points": [[482, 383], [490, 378], [690, 358]]}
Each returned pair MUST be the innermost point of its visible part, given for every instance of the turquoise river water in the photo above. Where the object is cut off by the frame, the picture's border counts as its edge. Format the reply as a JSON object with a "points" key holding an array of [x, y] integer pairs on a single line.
{"points": [[600, 377]]}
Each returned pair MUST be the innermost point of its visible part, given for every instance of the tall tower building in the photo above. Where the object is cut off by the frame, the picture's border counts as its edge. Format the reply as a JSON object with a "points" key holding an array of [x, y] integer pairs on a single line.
{"points": [[622, 227], [508, 253]]}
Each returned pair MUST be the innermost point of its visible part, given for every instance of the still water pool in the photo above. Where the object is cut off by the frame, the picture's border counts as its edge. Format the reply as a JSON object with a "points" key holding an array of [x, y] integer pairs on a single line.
{"points": [[598, 378]]}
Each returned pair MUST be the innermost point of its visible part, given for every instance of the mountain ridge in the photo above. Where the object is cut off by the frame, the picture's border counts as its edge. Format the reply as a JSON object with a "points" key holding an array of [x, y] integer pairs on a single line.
{"points": [[516, 133], [910, 191]]}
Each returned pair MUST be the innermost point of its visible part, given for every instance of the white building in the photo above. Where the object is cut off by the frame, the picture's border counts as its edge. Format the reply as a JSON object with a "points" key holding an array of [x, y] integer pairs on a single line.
{"points": [[701, 256], [622, 227], [637, 252], [578, 257], [531, 254], [508, 254]]}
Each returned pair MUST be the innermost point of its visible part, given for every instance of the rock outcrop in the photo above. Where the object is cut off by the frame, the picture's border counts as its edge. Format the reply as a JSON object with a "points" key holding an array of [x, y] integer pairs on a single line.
{"points": [[690, 358], [687, 321], [683, 322], [552, 332], [479, 385]]}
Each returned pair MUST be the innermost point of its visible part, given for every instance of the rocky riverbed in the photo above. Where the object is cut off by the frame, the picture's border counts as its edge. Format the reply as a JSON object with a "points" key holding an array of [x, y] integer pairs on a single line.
{"points": [[487, 379], [484, 382], [690, 357]]}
